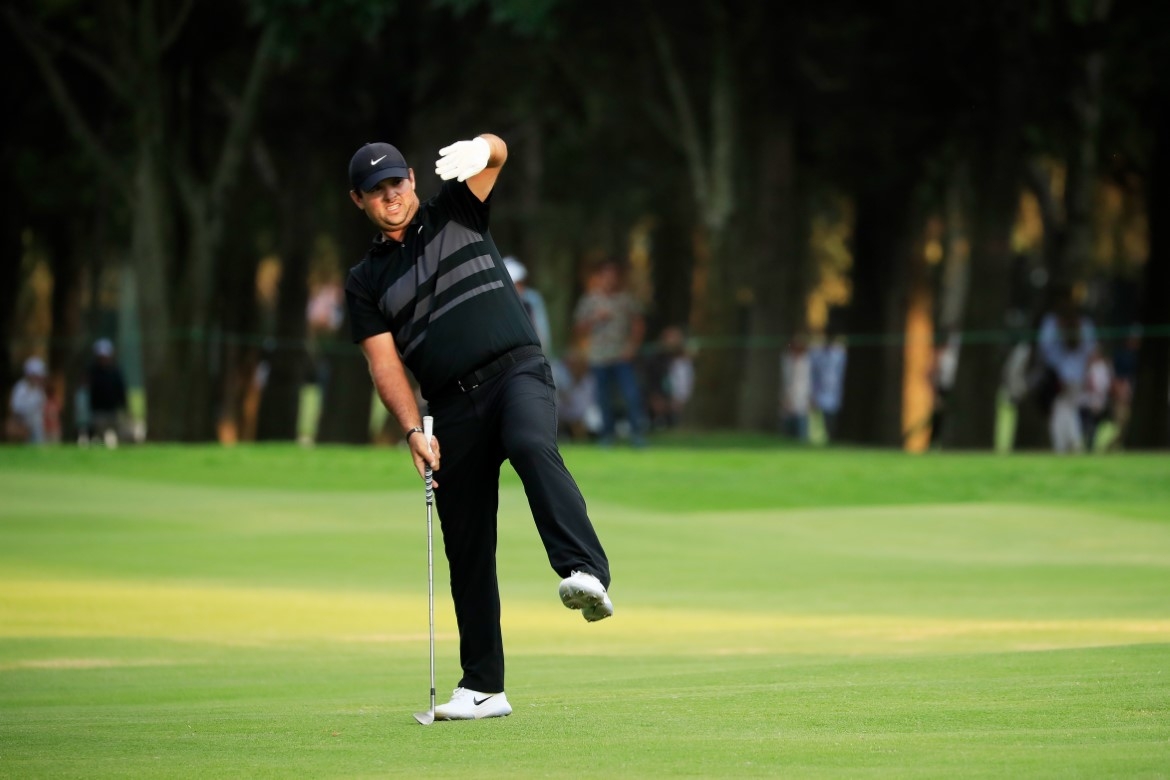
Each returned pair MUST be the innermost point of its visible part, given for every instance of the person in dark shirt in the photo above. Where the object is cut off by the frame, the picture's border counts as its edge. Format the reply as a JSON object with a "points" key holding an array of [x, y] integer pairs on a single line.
{"points": [[107, 395], [1124, 378], [433, 296]]}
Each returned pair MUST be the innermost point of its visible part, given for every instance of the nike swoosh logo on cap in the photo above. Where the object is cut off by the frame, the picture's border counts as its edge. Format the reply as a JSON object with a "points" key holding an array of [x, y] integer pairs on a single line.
{"points": [[380, 159], [481, 701]]}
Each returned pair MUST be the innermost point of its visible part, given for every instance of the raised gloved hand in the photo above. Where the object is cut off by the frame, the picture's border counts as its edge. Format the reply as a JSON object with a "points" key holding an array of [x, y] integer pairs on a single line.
{"points": [[463, 159]]}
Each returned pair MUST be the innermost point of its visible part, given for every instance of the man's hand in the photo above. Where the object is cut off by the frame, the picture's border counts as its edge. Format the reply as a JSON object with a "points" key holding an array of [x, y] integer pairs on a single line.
{"points": [[463, 159], [422, 456]]}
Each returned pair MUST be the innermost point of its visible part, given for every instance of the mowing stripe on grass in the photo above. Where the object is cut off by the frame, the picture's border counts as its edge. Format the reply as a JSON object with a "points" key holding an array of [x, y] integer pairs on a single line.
{"points": [[233, 615]]}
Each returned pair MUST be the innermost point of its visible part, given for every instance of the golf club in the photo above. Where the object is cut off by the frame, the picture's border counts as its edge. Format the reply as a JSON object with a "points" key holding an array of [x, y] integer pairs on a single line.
{"points": [[428, 717]]}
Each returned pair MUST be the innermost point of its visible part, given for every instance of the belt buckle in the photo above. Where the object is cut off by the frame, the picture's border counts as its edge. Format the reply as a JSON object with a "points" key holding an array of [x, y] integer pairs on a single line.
{"points": [[466, 389]]}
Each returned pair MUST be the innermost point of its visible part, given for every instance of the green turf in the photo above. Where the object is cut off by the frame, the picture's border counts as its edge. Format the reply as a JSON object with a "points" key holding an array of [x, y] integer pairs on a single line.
{"points": [[261, 612]]}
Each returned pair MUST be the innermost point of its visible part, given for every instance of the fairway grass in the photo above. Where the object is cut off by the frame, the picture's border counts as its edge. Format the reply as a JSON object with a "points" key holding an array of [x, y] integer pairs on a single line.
{"points": [[261, 612]]}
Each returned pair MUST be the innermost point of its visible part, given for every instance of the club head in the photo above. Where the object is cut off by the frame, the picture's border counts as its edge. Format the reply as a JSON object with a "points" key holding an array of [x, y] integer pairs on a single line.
{"points": [[425, 718]]}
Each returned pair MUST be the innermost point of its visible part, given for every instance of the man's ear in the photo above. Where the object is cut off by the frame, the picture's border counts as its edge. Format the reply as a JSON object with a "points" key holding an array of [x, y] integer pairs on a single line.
{"points": [[357, 199]]}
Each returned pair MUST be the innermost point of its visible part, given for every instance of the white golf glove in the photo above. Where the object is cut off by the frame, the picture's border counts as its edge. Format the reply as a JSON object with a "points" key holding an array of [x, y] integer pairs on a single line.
{"points": [[463, 159]]}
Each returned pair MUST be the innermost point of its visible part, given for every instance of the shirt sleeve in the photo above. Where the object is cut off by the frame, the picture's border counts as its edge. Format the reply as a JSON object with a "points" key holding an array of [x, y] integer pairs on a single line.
{"points": [[463, 206], [365, 319]]}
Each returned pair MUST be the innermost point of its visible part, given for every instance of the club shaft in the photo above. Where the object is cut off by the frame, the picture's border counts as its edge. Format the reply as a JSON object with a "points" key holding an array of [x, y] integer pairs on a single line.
{"points": [[431, 580]]}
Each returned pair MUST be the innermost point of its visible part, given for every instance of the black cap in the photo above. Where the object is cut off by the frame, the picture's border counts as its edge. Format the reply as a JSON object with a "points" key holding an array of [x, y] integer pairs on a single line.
{"points": [[374, 162]]}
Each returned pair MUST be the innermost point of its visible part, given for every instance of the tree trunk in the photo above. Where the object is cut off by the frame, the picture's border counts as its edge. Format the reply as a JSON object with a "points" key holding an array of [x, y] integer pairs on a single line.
{"points": [[957, 252], [1150, 425], [238, 312], [778, 277], [200, 340], [710, 155], [714, 323], [281, 399], [973, 403], [12, 247], [674, 254], [1086, 99], [347, 395], [871, 411], [68, 353], [150, 256]]}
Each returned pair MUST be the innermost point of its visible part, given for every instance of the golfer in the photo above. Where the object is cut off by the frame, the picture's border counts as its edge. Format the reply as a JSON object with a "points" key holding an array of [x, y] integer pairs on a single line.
{"points": [[433, 295]]}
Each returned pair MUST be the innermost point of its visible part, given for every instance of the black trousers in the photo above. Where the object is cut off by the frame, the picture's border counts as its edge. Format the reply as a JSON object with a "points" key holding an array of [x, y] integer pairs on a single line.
{"points": [[511, 416]]}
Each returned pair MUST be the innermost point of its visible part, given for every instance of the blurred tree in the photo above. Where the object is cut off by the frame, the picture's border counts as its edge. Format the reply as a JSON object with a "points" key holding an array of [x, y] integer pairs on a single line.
{"points": [[174, 161], [995, 144], [1141, 116], [700, 68], [300, 178], [881, 132], [1150, 425], [1072, 37], [719, 128], [786, 55], [1065, 81], [20, 171], [69, 232]]}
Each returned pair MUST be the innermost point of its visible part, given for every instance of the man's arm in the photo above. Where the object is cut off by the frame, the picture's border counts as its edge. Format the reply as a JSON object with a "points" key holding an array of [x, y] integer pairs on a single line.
{"points": [[481, 184], [398, 397], [476, 162]]}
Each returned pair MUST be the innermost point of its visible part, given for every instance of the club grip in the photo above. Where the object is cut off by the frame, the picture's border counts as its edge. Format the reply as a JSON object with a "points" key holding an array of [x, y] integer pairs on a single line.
{"points": [[428, 432]]}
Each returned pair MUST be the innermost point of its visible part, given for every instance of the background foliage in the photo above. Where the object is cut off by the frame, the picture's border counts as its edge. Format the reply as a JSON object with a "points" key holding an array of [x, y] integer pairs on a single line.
{"points": [[766, 169]]}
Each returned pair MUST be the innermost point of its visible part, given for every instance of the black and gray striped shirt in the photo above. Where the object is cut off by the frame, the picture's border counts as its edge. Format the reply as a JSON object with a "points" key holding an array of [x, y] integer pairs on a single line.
{"points": [[443, 292]]}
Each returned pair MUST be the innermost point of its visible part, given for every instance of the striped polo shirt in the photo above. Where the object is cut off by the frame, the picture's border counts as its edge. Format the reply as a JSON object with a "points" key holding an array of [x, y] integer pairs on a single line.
{"points": [[443, 292]]}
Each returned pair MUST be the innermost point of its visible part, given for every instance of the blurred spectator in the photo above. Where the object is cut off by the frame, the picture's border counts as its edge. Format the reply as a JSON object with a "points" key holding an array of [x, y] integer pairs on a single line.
{"points": [[943, 368], [1124, 376], [578, 417], [52, 415], [106, 388], [324, 310], [795, 389], [1094, 402], [1066, 341], [26, 406], [533, 302], [324, 314], [253, 392], [670, 373], [610, 317], [1014, 382], [827, 360]]}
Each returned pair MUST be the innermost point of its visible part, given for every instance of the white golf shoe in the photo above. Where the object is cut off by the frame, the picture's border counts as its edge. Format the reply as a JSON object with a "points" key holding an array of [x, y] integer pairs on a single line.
{"points": [[467, 704], [585, 592]]}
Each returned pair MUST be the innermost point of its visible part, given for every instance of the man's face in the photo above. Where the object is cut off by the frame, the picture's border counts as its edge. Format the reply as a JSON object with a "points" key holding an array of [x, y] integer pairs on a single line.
{"points": [[391, 205], [609, 278]]}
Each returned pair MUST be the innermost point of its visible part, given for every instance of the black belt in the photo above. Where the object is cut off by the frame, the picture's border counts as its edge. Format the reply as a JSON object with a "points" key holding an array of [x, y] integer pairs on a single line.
{"points": [[485, 372]]}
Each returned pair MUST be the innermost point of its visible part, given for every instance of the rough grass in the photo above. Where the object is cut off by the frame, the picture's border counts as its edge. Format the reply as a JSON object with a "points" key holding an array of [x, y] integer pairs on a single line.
{"points": [[261, 612]]}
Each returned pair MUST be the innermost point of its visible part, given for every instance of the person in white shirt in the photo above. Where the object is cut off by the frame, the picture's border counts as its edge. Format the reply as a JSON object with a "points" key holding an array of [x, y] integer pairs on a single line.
{"points": [[533, 302], [827, 362], [1065, 342], [1094, 404], [796, 389], [27, 403], [944, 367]]}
